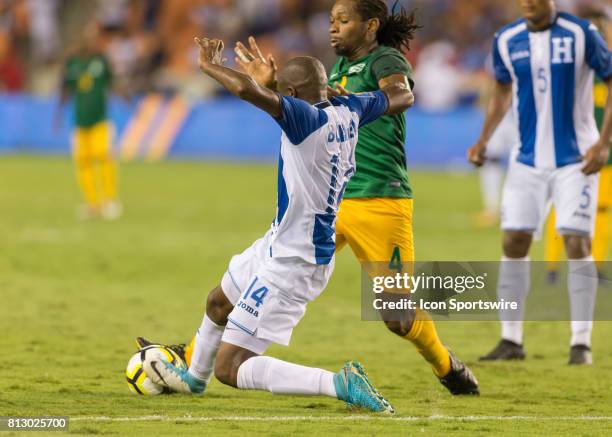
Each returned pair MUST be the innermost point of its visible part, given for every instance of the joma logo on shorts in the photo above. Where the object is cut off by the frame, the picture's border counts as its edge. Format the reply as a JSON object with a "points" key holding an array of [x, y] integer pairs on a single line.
{"points": [[582, 215], [249, 309]]}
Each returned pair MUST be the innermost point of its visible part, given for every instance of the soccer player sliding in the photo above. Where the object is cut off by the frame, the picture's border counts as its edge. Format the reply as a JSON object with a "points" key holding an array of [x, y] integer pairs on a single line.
{"points": [[545, 65], [264, 293], [375, 218]]}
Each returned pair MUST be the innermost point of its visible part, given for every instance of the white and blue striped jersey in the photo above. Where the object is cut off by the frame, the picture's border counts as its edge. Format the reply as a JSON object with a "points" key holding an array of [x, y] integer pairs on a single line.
{"points": [[317, 159], [551, 72]]}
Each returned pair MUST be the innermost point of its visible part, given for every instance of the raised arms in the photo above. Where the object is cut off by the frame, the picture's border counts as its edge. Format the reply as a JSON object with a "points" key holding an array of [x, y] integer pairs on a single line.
{"points": [[262, 70], [210, 61]]}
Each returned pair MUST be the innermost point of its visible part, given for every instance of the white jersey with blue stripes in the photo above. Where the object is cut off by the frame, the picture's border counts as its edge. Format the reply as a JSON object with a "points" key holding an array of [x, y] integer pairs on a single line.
{"points": [[552, 73], [317, 159]]}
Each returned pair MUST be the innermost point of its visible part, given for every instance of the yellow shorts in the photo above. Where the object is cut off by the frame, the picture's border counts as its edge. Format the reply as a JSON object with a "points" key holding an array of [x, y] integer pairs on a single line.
{"points": [[377, 229], [94, 142], [605, 188]]}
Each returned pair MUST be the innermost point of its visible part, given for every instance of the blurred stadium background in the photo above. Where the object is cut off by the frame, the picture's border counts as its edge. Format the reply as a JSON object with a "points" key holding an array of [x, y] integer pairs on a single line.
{"points": [[149, 44]]}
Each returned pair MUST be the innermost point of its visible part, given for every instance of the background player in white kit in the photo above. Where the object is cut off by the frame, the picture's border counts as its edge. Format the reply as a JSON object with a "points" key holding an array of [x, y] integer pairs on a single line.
{"points": [[544, 64], [265, 290], [503, 141]]}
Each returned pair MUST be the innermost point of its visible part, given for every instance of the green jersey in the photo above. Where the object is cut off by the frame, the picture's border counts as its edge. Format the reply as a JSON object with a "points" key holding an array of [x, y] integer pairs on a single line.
{"points": [[601, 95], [380, 154], [88, 78]]}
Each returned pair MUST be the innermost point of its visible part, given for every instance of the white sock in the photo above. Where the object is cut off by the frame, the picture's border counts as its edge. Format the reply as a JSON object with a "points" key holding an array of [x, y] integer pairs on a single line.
{"points": [[208, 339], [491, 176], [281, 377], [513, 286], [582, 286]]}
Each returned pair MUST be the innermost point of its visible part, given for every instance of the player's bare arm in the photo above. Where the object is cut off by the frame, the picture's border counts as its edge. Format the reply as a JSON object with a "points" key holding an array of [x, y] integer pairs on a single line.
{"points": [[261, 69], [597, 156], [241, 85], [395, 86], [397, 89], [497, 108]]}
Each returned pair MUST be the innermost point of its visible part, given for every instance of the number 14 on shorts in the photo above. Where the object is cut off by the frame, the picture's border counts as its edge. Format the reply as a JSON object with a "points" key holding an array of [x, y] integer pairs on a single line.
{"points": [[246, 313], [256, 293]]}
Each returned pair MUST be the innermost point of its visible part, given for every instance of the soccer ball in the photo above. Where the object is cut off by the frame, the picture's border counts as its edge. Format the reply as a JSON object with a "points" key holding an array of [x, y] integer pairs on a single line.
{"points": [[137, 380]]}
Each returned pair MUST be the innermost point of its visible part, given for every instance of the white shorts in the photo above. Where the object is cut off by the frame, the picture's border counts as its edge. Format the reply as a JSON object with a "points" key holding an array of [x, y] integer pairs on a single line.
{"points": [[269, 295], [504, 139], [528, 193]]}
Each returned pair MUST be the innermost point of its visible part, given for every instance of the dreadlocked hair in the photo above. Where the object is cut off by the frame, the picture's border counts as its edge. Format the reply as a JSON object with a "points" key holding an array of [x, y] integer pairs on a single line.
{"points": [[396, 29]]}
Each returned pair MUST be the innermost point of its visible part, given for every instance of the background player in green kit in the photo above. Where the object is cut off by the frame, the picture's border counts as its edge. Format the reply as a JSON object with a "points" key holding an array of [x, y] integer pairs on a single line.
{"points": [[375, 216], [88, 78]]}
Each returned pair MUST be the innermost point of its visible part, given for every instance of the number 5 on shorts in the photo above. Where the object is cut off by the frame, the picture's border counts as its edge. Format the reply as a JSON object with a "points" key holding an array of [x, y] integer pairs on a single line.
{"points": [[257, 295], [587, 197]]}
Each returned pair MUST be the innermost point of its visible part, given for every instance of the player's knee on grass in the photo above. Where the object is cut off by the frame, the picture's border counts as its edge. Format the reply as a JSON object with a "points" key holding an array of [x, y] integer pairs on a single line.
{"points": [[516, 244], [229, 360], [218, 306], [577, 246]]}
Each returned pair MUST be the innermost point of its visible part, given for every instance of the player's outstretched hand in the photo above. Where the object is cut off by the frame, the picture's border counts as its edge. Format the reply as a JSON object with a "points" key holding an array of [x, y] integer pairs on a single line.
{"points": [[595, 158], [262, 70], [476, 154], [211, 51], [337, 91]]}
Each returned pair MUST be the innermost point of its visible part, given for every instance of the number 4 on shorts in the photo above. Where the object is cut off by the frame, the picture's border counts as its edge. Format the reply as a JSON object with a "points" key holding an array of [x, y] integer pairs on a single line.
{"points": [[396, 260]]}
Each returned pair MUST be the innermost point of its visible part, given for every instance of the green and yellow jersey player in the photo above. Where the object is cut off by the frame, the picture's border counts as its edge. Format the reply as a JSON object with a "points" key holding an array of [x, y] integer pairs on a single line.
{"points": [[87, 78], [601, 239], [381, 157], [375, 216]]}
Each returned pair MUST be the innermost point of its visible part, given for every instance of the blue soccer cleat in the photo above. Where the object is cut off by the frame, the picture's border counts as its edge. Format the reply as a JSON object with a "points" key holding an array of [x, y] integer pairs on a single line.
{"points": [[354, 388], [177, 379]]}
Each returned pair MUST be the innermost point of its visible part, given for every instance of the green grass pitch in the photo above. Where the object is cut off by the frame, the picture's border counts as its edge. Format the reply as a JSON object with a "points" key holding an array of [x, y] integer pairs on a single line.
{"points": [[73, 295]]}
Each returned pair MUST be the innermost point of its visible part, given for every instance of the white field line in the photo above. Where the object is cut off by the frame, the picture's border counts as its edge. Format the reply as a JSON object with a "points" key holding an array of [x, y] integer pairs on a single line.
{"points": [[336, 418]]}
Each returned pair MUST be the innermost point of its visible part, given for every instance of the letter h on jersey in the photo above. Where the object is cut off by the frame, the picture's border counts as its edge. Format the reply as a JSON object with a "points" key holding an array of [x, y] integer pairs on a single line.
{"points": [[562, 50]]}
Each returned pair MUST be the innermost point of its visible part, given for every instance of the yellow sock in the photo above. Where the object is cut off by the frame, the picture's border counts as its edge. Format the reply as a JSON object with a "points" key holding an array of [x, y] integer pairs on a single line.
{"points": [[601, 242], [553, 244], [87, 182], [108, 177], [424, 336], [189, 351]]}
